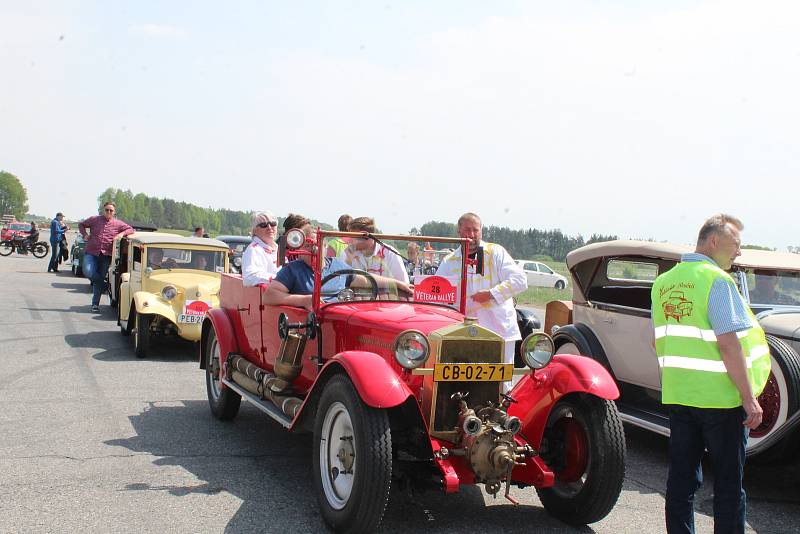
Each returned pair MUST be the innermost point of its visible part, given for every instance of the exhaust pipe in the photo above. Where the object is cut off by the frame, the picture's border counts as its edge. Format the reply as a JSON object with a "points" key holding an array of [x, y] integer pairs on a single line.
{"points": [[257, 381]]}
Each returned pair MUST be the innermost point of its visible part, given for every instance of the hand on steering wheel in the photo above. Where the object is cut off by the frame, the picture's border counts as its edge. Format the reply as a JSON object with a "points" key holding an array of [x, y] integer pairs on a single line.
{"points": [[373, 284]]}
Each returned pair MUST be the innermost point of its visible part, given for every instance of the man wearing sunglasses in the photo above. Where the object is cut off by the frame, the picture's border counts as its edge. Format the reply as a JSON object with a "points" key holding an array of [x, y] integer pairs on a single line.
{"points": [[103, 229], [260, 259]]}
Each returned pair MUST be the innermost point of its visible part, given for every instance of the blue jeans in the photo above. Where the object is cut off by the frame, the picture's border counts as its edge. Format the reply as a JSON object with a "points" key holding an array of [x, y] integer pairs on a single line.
{"points": [[55, 250], [721, 432], [95, 268]]}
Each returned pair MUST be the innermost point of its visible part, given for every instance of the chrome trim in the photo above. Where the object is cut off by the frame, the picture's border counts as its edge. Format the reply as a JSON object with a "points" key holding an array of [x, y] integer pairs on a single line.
{"points": [[641, 423], [265, 406]]}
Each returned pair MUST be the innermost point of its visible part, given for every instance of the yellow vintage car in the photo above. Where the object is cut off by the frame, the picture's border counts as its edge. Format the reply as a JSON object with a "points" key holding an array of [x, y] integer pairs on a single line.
{"points": [[163, 284]]}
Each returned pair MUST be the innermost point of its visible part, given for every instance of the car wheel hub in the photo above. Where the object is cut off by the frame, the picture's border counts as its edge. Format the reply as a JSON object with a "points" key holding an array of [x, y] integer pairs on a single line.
{"points": [[337, 456]]}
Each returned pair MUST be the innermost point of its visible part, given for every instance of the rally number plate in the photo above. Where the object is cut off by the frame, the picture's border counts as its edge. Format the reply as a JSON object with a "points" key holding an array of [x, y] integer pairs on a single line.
{"points": [[472, 372], [191, 319]]}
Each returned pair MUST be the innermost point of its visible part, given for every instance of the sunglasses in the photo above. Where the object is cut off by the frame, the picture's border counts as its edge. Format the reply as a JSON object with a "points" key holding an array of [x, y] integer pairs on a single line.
{"points": [[265, 224], [112, 211]]}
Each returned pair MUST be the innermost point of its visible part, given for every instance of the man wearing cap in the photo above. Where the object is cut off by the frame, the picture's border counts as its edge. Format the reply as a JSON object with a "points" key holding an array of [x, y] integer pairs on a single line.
{"points": [[260, 259], [57, 230]]}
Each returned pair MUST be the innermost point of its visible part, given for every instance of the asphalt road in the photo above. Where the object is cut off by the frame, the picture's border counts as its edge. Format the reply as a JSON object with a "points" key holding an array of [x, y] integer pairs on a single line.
{"points": [[94, 440]]}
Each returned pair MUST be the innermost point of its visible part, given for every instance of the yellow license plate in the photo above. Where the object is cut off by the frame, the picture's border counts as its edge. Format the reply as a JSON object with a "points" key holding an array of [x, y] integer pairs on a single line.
{"points": [[473, 372]]}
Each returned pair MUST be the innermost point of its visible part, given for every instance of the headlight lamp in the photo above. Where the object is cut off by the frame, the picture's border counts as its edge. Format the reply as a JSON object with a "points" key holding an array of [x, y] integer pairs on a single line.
{"points": [[411, 349], [169, 292]]}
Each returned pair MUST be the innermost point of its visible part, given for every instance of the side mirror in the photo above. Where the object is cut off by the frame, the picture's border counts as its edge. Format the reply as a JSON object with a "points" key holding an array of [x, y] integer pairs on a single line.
{"points": [[537, 350]]}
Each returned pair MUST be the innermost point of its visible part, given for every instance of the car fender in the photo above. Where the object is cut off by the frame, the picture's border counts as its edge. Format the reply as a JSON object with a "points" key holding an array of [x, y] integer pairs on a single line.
{"points": [[375, 381], [587, 342], [149, 303], [217, 319], [567, 374]]}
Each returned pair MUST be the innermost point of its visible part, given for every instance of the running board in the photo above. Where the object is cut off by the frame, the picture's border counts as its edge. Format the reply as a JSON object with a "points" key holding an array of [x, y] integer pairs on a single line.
{"points": [[265, 406], [646, 420]]}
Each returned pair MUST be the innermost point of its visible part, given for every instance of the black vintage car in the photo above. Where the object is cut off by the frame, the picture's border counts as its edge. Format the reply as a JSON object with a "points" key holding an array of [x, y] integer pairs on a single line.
{"points": [[236, 244]]}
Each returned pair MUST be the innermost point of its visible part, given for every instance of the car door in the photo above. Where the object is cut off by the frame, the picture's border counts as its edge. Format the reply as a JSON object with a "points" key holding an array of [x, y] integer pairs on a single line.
{"points": [[531, 273], [546, 274]]}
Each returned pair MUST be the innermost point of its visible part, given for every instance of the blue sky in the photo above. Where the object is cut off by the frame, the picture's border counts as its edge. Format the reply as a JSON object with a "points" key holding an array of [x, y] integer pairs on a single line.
{"points": [[636, 119]]}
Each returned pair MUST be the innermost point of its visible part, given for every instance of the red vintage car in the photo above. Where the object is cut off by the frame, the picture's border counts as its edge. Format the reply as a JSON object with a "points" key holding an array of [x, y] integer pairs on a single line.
{"points": [[18, 229], [412, 390]]}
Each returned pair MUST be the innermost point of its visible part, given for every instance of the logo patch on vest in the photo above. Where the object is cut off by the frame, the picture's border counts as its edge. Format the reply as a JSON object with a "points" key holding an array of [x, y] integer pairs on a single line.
{"points": [[677, 305]]}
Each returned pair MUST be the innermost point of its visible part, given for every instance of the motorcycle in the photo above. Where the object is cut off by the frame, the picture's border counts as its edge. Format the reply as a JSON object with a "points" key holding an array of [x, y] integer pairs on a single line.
{"points": [[40, 249]]}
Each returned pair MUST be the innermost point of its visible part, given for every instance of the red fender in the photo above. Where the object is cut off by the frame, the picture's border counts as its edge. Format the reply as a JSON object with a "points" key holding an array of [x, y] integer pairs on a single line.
{"points": [[376, 382], [536, 394], [218, 319]]}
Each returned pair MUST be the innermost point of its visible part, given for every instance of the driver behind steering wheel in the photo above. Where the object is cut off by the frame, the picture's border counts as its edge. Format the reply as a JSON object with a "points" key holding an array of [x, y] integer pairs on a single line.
{"points": [[294, 283]]}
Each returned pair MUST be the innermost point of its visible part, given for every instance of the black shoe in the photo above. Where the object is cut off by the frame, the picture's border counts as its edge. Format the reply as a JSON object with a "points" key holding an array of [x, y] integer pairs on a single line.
{"points": [[95, 308]]}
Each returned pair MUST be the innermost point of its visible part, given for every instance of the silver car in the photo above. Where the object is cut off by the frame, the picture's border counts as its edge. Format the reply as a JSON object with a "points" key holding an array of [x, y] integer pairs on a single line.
{"points": [[609, 319]]}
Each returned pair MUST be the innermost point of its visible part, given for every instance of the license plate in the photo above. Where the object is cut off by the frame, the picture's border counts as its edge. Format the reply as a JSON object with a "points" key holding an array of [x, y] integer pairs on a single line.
{"points": [[191, 319], [473, 372]]}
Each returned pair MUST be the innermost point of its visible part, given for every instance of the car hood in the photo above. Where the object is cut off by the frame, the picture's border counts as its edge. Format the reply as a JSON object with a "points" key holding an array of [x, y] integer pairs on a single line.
{"points": [[398, 316], [785, 325]]}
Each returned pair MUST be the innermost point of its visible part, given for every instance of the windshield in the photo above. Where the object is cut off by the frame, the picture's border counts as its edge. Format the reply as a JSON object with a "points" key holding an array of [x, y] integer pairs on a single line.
{"points": [[395, 268], [179, 258], [20, 227], [773, 287]]}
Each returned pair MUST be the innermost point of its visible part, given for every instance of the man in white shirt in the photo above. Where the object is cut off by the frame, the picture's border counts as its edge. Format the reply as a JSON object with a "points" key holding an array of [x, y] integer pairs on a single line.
{"points": [[493, 278], [368, 255], [260, 258]]}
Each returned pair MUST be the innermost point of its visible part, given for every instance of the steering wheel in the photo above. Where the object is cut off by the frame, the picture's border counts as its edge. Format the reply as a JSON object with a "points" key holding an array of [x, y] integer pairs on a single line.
{"points": [[373, 289]]}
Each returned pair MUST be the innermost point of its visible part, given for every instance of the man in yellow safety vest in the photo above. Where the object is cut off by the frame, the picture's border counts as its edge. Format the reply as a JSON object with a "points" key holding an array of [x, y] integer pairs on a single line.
{"points": [[714, 362]]}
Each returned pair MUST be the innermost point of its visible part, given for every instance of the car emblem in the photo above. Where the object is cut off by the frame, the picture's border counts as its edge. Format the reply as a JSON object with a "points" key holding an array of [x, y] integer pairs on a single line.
{"points": [[473, 331]]}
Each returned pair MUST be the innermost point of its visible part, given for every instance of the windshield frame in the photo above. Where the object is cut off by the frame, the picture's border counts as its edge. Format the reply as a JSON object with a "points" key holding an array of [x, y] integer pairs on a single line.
{"points": [[317, 259]]}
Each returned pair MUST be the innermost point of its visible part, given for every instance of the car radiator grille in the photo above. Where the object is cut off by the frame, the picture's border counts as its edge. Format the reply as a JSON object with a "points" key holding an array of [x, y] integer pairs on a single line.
{"points": [[465, 351]]}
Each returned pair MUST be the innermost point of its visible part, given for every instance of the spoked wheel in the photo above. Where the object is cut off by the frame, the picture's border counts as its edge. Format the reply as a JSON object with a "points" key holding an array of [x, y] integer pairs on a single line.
{"points": [[40, 249], [352, 459], [223, 400], [584, 444], [142, 337], [6, 248], [779, 400]]}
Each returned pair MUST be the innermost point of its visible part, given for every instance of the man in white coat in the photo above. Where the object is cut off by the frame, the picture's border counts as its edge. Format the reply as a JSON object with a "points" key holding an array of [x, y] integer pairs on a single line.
{"points": [[492, 281]]}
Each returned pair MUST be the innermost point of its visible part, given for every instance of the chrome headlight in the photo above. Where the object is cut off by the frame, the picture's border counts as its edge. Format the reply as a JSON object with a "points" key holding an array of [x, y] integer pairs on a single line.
{"points": [[169, 292], [237, 261], [411, 349], [295, 238]]}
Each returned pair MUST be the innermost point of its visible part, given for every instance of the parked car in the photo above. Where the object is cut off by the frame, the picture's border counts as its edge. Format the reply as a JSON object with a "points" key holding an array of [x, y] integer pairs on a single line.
{"points": [[163, 284], [611, 322], [412, 390], [16, 229], [236, 244], [76, 254], [540, 275]]}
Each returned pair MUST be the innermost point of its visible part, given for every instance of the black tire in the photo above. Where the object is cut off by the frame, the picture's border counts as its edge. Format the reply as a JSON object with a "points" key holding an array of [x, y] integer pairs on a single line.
{"points": [[779, 400], [6, 248], [142, 336], [40, 249], [560, 284], [79, 270], [586, 491], [224, 402], [126, 330], [361, 443]]}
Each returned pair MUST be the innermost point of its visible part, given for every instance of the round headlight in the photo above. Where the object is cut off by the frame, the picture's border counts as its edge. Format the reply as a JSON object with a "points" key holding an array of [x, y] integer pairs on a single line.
{"points": [[169, 292], [537, 350], [295, 238], [237, 261], [411, 349]]}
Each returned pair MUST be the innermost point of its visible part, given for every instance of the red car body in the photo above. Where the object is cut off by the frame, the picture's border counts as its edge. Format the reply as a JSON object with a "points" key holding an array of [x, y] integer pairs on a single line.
{"points": [[15, 229], [356, 341]]}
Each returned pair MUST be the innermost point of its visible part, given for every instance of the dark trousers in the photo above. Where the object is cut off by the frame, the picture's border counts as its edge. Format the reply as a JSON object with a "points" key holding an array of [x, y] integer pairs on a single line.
{"points": [[55, 252], [95, 268], [721, 432]]}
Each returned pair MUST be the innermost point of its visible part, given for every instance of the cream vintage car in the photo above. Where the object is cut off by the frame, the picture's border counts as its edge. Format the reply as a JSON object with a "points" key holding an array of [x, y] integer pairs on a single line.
{"points": [[163, 284], [609, 319]]}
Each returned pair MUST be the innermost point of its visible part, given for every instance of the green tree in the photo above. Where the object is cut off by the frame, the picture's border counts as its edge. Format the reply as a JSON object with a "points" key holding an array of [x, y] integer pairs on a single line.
{"points": [[13, 197]]}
